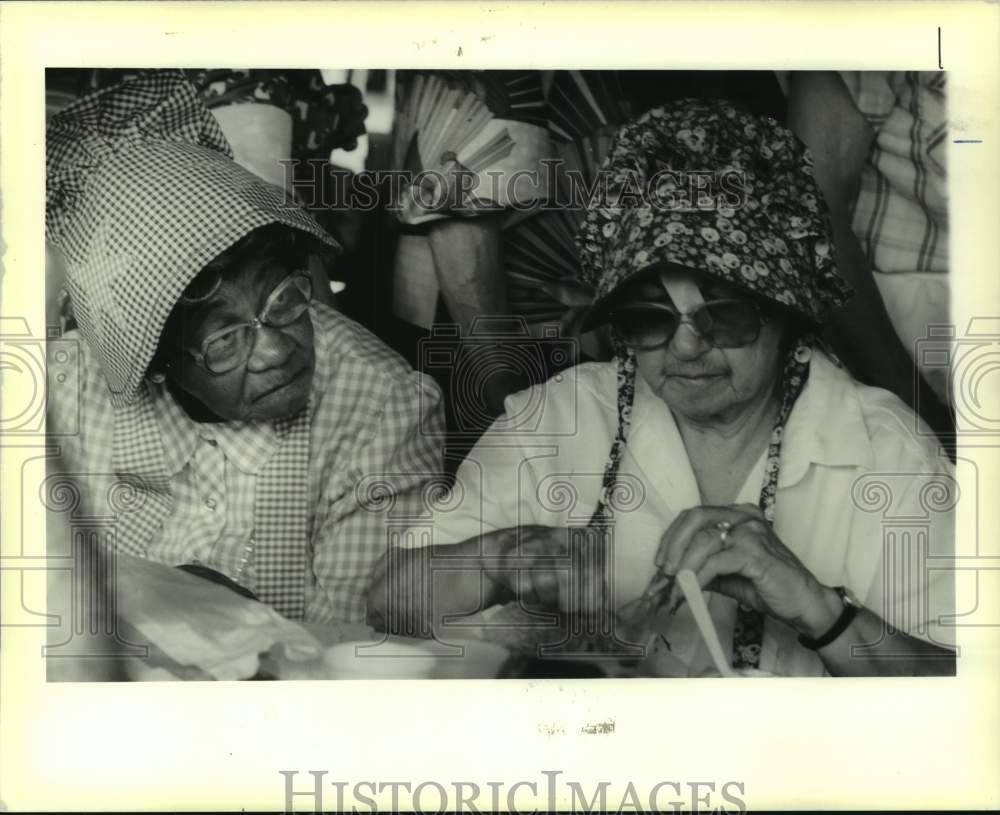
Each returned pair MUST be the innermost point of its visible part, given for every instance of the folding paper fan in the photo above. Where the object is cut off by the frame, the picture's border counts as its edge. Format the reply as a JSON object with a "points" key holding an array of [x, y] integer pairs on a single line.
{"points": [[579, 164], [541, 268], [447, 122], [586, 108], [540, 257], [538, 254], [514, 95], [582, 102]]}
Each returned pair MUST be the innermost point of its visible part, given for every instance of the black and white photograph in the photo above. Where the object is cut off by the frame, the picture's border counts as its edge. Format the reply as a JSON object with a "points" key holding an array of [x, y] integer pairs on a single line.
{"points": [[554, 373], [563, 375]]}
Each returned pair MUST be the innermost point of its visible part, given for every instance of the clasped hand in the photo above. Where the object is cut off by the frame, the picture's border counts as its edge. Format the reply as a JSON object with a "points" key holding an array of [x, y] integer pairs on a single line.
{"points": [[734, 551]]}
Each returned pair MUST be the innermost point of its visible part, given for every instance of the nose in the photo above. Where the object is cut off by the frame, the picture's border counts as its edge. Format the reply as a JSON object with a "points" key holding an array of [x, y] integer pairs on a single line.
{"points": [[687, 343], [271, 349]]}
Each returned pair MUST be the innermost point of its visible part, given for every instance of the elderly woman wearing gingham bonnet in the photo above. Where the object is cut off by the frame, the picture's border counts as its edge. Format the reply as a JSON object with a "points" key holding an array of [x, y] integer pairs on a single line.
{"points": [[740, 441], [218, 417]]}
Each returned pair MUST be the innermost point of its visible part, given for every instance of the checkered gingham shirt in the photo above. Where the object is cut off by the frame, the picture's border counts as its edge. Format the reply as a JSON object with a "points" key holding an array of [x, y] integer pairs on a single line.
{"points": [[374, 444], [901, 214], [141, 193]]}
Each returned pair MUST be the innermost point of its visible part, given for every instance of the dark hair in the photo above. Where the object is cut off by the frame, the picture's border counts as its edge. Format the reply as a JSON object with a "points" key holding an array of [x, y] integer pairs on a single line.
{"points": [[273, 241]]}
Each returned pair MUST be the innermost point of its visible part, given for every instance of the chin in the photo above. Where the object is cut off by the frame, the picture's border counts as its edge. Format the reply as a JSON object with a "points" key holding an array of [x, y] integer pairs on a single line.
{"points": [[281, 403], [696, 406]]}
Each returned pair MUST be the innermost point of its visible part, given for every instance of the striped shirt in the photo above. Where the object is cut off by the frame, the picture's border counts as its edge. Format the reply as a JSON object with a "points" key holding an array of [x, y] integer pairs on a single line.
{"points": [[375, 443], [901, 213]]}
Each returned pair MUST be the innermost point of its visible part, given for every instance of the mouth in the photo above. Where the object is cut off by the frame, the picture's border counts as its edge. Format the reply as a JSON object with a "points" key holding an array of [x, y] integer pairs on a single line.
{"points": [[289, 382], [692, 383], [693, 378]]}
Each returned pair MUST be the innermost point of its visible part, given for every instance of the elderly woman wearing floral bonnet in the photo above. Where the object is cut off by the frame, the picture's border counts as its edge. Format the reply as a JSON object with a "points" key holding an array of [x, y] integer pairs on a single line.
{"points": [[722, 439]]}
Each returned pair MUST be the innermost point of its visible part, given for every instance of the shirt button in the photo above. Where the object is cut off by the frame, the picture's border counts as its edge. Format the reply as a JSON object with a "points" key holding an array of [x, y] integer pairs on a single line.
{"points": [[211, 503]]}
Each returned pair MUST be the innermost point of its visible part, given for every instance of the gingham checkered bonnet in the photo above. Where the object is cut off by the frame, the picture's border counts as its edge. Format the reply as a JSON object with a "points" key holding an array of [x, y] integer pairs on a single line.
{"points": [[141, 193]]}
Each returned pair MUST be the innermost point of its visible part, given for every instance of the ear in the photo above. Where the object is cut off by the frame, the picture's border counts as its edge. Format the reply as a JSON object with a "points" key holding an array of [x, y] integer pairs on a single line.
{"points": [[156, 372]]}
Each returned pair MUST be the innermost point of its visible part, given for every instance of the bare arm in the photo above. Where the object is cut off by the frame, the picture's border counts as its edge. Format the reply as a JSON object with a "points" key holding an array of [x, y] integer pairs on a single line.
{"points": [[412, 590], [867, 649], [467, 258], [409, 595]]}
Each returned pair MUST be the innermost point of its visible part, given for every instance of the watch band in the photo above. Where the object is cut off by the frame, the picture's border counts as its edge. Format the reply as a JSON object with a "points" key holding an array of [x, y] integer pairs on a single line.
{"points": [[846, 617]]}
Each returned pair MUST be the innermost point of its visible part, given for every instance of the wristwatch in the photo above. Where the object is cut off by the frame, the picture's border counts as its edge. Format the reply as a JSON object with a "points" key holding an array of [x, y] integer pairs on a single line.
{"points": [[851, 608]]}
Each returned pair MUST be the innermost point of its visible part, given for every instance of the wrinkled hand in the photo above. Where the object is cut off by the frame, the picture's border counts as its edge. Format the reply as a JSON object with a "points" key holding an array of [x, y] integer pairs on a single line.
{"points": [[412, 589], [749, 563], [399, 598], [551, 567]]}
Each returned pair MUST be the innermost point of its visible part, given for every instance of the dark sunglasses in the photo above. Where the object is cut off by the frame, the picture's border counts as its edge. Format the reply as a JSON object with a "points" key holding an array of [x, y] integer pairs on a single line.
{"points": [[721, 323]]}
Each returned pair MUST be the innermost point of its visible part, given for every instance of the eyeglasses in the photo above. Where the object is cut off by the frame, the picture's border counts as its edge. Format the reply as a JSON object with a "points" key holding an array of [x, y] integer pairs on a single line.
{"points": [[230, 347], [722, 323]]}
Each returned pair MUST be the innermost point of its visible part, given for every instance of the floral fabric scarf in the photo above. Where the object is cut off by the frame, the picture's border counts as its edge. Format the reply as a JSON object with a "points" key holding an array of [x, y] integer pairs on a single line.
{"points": [[749, 631]]}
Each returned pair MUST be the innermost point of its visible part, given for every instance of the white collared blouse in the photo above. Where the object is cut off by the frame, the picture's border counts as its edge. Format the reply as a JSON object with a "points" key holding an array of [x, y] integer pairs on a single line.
{"points": [[864, 499]]}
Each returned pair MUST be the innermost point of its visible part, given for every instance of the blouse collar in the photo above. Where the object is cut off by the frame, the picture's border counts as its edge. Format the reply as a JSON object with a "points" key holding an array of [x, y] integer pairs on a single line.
{"points": [[248, 445]]}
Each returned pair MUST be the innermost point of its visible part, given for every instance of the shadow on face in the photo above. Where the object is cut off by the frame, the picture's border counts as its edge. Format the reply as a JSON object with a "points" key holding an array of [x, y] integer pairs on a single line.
{"points": [[275, 379], [697, 379]]}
